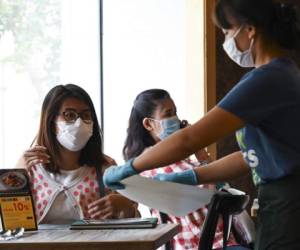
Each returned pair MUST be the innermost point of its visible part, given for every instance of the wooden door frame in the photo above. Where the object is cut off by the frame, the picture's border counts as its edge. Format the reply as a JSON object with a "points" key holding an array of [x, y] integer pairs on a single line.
{"points": [[210, 64]]}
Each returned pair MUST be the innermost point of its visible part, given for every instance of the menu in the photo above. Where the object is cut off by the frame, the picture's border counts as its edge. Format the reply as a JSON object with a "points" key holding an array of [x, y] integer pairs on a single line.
{"points": [[127, 223], [16, 203]]}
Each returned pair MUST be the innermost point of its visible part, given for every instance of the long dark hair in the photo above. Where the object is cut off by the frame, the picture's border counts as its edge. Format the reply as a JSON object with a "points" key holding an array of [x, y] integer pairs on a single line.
{"points": [[278, 22], [91, 154], [138, 138]]}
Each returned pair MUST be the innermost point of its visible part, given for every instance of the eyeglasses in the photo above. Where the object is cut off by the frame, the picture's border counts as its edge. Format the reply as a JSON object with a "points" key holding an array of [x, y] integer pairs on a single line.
{"points": [[71, 116]]}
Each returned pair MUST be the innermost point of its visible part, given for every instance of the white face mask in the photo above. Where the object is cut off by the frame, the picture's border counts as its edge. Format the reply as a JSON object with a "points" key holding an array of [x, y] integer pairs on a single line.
{"points": [[74, 136], [242, 58]]}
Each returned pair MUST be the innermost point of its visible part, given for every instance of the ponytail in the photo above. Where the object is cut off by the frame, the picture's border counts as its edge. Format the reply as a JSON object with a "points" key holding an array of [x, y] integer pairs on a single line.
{"points": [[285, 27], [138, 138]]}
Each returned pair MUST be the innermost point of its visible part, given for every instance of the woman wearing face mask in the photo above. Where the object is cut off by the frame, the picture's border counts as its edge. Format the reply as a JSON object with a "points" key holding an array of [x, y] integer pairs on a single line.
{"points": [[153, 118], [263, 110], [63, 166]]}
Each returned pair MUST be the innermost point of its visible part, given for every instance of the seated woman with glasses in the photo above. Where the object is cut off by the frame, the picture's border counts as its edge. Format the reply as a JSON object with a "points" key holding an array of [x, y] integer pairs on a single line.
{"points": [[67, 162]]}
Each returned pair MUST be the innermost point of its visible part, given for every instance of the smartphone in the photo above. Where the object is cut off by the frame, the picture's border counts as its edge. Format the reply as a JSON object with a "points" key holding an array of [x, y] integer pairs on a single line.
{"points": [[183, 123]]}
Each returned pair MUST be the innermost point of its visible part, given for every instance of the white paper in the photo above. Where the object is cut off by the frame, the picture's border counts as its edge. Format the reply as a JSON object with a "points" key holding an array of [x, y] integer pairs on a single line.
{"points": [[168, 197]]}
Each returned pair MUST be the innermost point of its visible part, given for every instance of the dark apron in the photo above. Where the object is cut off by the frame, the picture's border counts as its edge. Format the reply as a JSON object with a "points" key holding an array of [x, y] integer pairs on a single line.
{"points": [[279, 214]]}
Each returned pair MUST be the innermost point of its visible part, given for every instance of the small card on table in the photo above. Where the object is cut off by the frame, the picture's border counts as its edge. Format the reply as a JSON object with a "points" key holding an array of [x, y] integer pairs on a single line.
{"points": [[16, 203]]}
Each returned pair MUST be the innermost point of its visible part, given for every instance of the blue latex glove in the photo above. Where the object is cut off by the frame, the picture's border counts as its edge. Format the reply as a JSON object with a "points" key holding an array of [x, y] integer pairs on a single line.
{"points": [[113, 175], [188, 177]]}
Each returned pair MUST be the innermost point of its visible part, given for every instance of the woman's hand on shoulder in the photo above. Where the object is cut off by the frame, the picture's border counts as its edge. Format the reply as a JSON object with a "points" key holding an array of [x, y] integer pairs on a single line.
{"points": [[34, 155], [109, 161], [111, 206]]}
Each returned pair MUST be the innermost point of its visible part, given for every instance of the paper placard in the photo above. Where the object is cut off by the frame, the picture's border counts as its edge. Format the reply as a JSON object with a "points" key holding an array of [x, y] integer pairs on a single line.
{"points": [[16, 203], [17, 211]]}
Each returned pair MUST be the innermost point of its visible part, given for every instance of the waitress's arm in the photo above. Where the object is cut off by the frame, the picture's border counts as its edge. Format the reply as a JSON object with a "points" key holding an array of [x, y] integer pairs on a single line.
{"points": [[215, 125], [224, 169]]}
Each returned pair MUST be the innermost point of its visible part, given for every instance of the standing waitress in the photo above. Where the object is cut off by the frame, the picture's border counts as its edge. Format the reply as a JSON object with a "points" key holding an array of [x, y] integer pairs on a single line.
{"points": [[263, 108]]}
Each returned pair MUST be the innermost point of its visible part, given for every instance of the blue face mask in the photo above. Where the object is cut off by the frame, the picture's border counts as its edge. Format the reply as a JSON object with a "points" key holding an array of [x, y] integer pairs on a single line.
{"points": [[168, 126]]}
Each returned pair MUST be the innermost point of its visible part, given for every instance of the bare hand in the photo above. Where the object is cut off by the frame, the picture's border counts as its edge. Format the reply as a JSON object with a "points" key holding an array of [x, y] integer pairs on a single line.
{"points": [[202, 156], [34, 155], [111, 206]]}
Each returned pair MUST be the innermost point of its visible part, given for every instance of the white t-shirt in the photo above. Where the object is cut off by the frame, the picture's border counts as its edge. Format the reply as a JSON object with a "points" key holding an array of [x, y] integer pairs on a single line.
{"points": [[62, 210]]}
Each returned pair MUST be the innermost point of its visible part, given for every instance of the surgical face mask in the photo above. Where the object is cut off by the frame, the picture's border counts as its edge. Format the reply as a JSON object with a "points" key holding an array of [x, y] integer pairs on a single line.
{"points": [[168, 126], [74, 136], [242, 58]]}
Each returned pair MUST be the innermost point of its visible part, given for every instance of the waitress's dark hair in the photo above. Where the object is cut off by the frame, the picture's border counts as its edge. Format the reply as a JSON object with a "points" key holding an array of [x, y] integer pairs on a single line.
{"points": [[138, 138], [91, 154], [277, 20]]}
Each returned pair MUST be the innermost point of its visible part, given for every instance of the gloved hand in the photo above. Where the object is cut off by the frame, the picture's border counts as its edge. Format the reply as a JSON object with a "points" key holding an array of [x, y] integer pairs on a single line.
{"points": [[188, 177], [113, 175]]}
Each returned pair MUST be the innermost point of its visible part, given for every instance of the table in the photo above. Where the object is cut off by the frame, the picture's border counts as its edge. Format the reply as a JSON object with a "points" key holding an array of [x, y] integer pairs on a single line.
{"points": [[61, 238]]}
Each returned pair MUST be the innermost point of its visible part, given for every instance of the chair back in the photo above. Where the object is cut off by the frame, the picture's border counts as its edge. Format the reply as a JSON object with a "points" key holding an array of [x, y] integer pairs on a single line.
{"points": [[225, 205]]}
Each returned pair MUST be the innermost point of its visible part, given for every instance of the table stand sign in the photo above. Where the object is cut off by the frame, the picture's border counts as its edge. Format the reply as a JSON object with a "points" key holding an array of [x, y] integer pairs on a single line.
{"points": [[16, 203]]}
